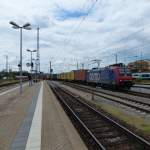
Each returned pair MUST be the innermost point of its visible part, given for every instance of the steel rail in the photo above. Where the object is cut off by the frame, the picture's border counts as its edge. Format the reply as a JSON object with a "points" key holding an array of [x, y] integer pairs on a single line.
{"points": [[97, 93], [145, 95], [142, 87], [98, 144], [145, 144]]}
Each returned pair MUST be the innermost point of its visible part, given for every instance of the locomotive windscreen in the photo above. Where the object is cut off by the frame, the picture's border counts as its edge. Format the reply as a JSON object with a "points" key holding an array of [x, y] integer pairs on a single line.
{"points": [[124, 72]]}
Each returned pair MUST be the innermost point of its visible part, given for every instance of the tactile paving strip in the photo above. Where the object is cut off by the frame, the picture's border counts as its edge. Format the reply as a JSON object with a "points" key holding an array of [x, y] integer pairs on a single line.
{"points": [[20, 140]]}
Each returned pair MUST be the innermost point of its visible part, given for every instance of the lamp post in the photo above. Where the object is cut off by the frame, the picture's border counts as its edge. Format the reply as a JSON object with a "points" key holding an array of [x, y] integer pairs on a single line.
{"points": [[35, 62], [26, 26], [31, 51]]}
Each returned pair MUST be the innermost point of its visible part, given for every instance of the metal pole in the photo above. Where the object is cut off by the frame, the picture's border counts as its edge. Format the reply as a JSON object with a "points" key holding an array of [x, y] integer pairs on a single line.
{"points": [[116, 58], [82, 65], [38, 56], [98, 64], [125, 60], [141, 61], [50, 69], [6, 63], [21, 60], [38, 53], [31, 62]]}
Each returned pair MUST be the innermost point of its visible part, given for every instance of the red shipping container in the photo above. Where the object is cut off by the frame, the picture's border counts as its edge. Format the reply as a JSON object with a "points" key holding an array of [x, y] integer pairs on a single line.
{"points": [[80, 75]]}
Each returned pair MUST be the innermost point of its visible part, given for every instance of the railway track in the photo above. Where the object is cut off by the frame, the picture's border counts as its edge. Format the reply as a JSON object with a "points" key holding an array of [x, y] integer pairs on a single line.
{"points": [[132, 103], [98, 131], [146, 95], [142, 87]]}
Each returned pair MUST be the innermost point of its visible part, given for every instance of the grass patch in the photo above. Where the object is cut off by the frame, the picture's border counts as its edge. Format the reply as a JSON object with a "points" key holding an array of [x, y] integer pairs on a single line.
{"points": [[139, 81], [7, 82], [135, 121]]}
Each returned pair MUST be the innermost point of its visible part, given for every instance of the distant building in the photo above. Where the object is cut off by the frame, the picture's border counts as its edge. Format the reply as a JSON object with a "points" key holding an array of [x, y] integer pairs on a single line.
{"points": [[140, 66]]}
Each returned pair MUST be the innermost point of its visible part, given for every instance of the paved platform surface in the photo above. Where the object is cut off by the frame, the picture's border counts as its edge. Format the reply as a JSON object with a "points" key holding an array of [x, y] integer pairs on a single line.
{"points": [[13, 109], [35, 121], [57, 131]]}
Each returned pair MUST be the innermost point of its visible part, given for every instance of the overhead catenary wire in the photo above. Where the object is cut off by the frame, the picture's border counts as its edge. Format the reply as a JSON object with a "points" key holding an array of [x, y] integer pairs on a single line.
{"points": [[88, 11], [76, 22], [123, 47], [124, 38], [82, 20]]}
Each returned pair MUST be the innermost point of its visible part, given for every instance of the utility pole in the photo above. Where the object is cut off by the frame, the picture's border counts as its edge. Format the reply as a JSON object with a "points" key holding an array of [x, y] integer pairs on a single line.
{"points": [[38, 52], [9, 70], [77, 66], [141, 62], [50, 66], [6, 63], [116, 56], [82, 65]]}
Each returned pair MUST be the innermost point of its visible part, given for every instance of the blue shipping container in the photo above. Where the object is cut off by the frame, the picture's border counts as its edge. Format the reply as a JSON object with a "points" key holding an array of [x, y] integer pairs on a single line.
{"points": [[101, 76]]}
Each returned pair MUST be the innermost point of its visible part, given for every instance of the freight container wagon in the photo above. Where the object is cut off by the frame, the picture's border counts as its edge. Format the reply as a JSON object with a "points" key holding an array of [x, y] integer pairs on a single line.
{"points": [[71, 76], [80, 75], [93, 76]]}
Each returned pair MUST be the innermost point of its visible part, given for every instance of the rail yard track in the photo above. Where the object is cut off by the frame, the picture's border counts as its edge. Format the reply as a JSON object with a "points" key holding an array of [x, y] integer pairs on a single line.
{"points": [[97, 130], [143, 87], [146, 95], [137, 104]]}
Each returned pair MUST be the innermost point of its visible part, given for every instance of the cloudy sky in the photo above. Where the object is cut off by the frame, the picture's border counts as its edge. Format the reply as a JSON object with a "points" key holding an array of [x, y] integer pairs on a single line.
{"points": [[74, 31]]}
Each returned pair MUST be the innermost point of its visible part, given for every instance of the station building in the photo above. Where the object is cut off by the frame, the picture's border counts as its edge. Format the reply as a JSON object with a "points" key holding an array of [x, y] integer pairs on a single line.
{"points": [[140, 66]]}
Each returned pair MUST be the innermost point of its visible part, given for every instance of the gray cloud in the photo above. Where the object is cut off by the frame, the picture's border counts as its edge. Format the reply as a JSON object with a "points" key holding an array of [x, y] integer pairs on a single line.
{"points": [[111, 27]]}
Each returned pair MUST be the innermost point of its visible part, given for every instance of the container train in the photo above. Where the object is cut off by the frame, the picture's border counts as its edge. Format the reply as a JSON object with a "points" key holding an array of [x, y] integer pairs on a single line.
{"points": [[112, 77]]}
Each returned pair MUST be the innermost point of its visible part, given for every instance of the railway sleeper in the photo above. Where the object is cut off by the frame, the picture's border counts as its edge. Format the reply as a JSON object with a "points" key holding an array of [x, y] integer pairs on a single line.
{"points": [[97, 128], [87, 116], [101, 129], [123, 146], [106, 134], [114, 139], [117, 139], [90, 119]]}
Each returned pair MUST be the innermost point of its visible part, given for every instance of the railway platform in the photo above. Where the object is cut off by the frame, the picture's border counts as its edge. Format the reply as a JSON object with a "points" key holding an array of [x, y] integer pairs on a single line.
{"points": [[35, 121]]}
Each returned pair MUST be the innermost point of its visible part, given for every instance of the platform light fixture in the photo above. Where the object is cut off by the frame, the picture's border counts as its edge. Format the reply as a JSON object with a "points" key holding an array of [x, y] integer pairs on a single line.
{"points": [[26, 26], [31, 51]]}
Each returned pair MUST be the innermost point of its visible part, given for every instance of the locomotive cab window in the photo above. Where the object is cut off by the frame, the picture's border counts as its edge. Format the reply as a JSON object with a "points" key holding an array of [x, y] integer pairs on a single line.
{"points": [[124, 72]]}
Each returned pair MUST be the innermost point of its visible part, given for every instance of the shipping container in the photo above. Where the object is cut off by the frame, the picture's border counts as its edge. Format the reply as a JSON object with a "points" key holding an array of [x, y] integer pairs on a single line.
{"points": [[103, 76], [80, 75], [93, 76], [70, 76]]}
